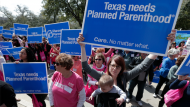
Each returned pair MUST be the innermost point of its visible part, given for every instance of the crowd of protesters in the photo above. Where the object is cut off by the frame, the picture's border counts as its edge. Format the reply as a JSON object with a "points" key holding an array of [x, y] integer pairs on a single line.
{"points": [[106, 72]]}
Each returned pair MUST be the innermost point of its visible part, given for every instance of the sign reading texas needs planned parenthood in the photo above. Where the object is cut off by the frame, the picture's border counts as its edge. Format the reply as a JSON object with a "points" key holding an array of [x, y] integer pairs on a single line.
{"points": [[35, 35], [4, 46], [7, 33], [184, 68], [136, 25], [14, 52], [53, 31], [26, 77], [69, 44], [20, 29]]}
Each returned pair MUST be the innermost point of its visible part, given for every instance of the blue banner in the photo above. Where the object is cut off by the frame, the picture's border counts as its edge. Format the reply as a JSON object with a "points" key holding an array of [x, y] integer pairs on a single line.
{"points": [[184, 67], [51, 66], [53, 31], [156, 77], [15, 52], [20, 29], [44, 35], [94, 46], [69, 44], [183, 31], [7, 33], [26, 77], [35, 35], [1, 29], [135, 25], [181, 37], [4, 46], [11, 28]]}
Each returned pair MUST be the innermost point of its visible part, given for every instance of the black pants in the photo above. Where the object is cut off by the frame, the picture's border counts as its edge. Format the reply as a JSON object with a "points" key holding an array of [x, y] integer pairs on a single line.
{"points": [[161, 82], [54, 66], [141, 85], [166, 89], [40, 97]]}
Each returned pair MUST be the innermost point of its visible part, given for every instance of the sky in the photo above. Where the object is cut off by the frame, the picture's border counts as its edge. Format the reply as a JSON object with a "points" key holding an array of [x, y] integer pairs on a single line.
{"points": [[34, 5]]}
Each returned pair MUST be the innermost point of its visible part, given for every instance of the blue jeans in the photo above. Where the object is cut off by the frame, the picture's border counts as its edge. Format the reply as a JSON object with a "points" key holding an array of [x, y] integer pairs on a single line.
{"points": [[141, 85]]}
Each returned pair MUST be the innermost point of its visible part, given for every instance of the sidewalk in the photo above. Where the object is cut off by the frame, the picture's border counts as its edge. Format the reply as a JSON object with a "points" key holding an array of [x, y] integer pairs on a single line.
{"points": [[148, 100]]}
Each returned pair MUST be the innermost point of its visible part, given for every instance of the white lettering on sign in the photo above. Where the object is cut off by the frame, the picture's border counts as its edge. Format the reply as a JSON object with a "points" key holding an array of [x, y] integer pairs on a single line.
{"points": [[188, 63], [143, 17]]}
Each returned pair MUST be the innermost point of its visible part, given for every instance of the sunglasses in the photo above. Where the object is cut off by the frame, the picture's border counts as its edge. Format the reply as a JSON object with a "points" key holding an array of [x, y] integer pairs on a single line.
{"points": [[98, 59], [57, 63]]}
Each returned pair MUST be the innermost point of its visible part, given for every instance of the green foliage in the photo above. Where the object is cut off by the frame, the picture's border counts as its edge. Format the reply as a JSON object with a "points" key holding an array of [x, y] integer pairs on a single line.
{"points": [[24, 16], [184, 16], [65, 9]]}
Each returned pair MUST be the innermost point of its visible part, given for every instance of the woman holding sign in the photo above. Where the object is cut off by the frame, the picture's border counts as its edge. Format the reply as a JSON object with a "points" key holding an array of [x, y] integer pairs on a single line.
{"points": [[116, 65], [26, 55]]}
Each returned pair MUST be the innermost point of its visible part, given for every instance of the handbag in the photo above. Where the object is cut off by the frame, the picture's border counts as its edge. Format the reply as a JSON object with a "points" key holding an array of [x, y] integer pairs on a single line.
{"points": [[42, 55], [89, 91], [174, 95], [1, 76], [35, 101]]}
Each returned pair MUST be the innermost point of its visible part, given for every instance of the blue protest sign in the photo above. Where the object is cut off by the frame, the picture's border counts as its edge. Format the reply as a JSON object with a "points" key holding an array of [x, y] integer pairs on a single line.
{"points": [[35, 35], [53, 31], [156, 77], [95, 46], [26, 77], [1, 29], [14, 52], [7, 33], [4, 45], [181, 37], [135, 25], [44, 35], [69, 44], [20, 29], [51, 66], [11, 28], [184, 67], [183, 31]]}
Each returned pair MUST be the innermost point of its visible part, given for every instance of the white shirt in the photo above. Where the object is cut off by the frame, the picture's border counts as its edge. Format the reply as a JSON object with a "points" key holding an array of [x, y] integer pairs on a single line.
{"points": [[2, 60]]}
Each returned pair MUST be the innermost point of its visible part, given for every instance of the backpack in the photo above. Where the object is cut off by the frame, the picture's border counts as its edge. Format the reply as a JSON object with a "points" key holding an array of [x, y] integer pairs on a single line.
{"points": [[174, 95]]}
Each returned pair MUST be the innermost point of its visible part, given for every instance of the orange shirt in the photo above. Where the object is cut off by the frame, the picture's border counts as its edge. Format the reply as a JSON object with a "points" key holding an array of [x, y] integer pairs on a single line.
{"points": [[77, 67]]}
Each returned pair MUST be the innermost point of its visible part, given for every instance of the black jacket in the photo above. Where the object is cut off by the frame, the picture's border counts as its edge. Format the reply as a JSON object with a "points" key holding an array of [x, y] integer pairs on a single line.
{"points": [[7, 95], [135, 62]]}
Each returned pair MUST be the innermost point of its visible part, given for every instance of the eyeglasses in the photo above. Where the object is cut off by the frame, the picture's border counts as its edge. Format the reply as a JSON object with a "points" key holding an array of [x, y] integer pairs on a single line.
{"points": [[114, 66], [57, 63], [98, 59]]}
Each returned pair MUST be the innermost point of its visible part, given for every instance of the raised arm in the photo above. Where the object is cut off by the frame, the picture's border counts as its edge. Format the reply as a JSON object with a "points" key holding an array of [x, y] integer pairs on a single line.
{"points": [[109, 52], [146, 62], [92, 72]]}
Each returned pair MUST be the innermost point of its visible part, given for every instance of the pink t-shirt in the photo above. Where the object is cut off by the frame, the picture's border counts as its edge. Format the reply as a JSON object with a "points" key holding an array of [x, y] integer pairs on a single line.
{"points": [[66, 90], [54, 57]]}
